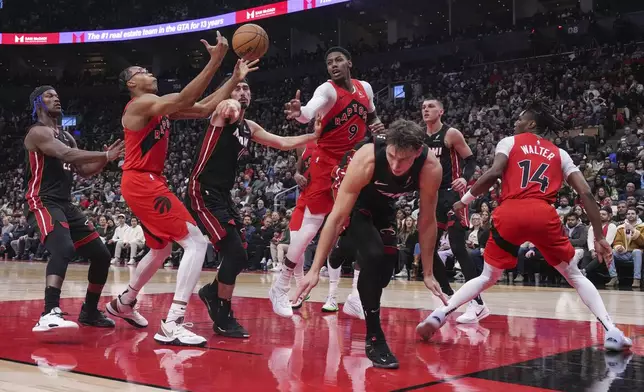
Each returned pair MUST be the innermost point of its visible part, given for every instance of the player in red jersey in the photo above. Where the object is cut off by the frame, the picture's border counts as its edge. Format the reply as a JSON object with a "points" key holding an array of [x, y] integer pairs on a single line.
{"points": [[348, 114], [532, 170], [146, 122]]}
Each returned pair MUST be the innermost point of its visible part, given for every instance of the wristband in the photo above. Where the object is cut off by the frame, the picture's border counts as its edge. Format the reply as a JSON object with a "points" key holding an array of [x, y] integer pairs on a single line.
{"points": [[468, 198], [107, 155]]}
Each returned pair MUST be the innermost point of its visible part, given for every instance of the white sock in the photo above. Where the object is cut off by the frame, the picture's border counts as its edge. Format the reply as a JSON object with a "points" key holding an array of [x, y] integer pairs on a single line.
{"points": [[302, 238], [472, 288], [587, 291], [194, 252], [129, 295], [147, 267], [176, 312], [354, 284], [334, 279]]}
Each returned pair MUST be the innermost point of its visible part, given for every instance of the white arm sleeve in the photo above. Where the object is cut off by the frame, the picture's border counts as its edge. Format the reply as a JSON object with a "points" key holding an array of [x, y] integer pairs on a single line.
{"points": [[323, 100], [369, 90], [505, 146], [567, 165]]}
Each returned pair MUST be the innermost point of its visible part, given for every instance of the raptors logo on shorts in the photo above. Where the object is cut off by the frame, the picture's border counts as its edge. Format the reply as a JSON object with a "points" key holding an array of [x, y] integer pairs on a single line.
{"points": [[162, 204]]}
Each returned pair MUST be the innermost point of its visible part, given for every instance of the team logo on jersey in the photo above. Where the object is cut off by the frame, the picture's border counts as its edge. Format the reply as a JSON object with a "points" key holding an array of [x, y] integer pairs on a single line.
{"points": [[244, 140], [436, 150], [350, 111], [162, 204]]}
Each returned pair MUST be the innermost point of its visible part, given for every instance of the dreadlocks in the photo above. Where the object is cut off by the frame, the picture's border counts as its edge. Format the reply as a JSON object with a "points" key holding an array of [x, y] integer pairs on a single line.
{"points": [[35, 100], [543, 117]]}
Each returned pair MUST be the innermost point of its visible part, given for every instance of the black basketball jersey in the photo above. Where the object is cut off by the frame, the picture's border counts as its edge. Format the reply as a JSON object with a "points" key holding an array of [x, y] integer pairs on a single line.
{"points": [[221, 149], [448, 157], [384, 189], [47, 178]]}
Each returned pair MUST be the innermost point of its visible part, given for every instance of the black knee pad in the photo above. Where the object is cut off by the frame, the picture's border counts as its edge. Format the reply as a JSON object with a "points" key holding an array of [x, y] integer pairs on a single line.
{"points": [[234, 255]]}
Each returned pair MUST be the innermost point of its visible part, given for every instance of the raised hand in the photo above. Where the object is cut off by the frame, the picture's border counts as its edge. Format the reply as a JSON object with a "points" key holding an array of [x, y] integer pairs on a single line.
{"points": [[243, 68], [293, 108], [218, 51], [229, 109]]}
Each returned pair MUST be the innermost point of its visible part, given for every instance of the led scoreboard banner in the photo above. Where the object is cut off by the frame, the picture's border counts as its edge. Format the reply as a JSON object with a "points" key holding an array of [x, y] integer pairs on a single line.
{"points": [[160, 30]]}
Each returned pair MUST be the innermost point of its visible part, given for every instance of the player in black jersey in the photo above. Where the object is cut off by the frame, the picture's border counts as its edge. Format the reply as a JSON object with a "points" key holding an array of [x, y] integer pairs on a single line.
{"points": [[449, 146], [225, 144], [52, 158], [379, 172]]}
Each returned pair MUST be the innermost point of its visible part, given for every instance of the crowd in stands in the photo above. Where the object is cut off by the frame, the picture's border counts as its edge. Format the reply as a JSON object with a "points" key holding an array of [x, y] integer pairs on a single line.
{"points": [[596, 93]]}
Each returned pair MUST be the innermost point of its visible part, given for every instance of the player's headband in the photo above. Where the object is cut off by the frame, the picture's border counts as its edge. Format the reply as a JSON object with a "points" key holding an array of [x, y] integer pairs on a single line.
{"points": [[37, 93], [35, 100]]}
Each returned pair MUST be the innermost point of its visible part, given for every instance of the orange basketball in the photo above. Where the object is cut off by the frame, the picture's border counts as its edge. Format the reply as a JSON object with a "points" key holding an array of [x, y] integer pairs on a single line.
{"points": [[250, 42]]}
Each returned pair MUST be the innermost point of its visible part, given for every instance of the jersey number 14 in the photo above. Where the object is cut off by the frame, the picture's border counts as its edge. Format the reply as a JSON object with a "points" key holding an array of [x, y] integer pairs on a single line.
{"points": [[528, 176]]}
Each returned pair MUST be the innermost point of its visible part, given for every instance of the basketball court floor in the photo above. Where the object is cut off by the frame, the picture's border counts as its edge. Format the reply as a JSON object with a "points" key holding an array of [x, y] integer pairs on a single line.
{"points": [[537, 339]]}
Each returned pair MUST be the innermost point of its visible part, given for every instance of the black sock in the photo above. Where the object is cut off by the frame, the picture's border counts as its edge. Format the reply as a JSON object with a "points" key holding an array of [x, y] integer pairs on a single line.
{"points": [[372, 318], [52, 298], [224, 306], [478, 300], [91, 300]]}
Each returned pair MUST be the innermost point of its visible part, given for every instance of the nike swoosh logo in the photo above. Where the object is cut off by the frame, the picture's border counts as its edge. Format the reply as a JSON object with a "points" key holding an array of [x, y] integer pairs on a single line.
{"points": [[168, 333], [380, 183], [479, 313]]}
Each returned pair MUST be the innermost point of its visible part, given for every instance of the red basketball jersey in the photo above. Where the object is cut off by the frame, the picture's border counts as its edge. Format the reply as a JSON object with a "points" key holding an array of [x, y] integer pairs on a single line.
{"points": [[536, 168], [346, 123], [146, 149]]}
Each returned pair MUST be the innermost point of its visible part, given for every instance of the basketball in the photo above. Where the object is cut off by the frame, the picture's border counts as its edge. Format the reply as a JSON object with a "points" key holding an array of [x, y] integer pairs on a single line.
{"points": [[250, 42]]}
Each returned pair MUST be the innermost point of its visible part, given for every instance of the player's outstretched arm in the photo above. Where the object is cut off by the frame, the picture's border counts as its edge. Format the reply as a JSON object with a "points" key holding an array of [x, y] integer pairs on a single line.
{"points": [[207, 106], [357, 176], [430, 180], [149, 105], [323, 98], [90, 169], [285, 143], [42, 139]]}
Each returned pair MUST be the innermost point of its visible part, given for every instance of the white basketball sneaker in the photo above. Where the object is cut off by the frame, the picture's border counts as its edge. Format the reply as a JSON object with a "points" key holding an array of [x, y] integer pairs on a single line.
{"points": [[614, 340], [353, 306], [428, 327], [331, 304], [474, 313], [175, 333], [281, 304], [54, 321], [127, 312]]}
